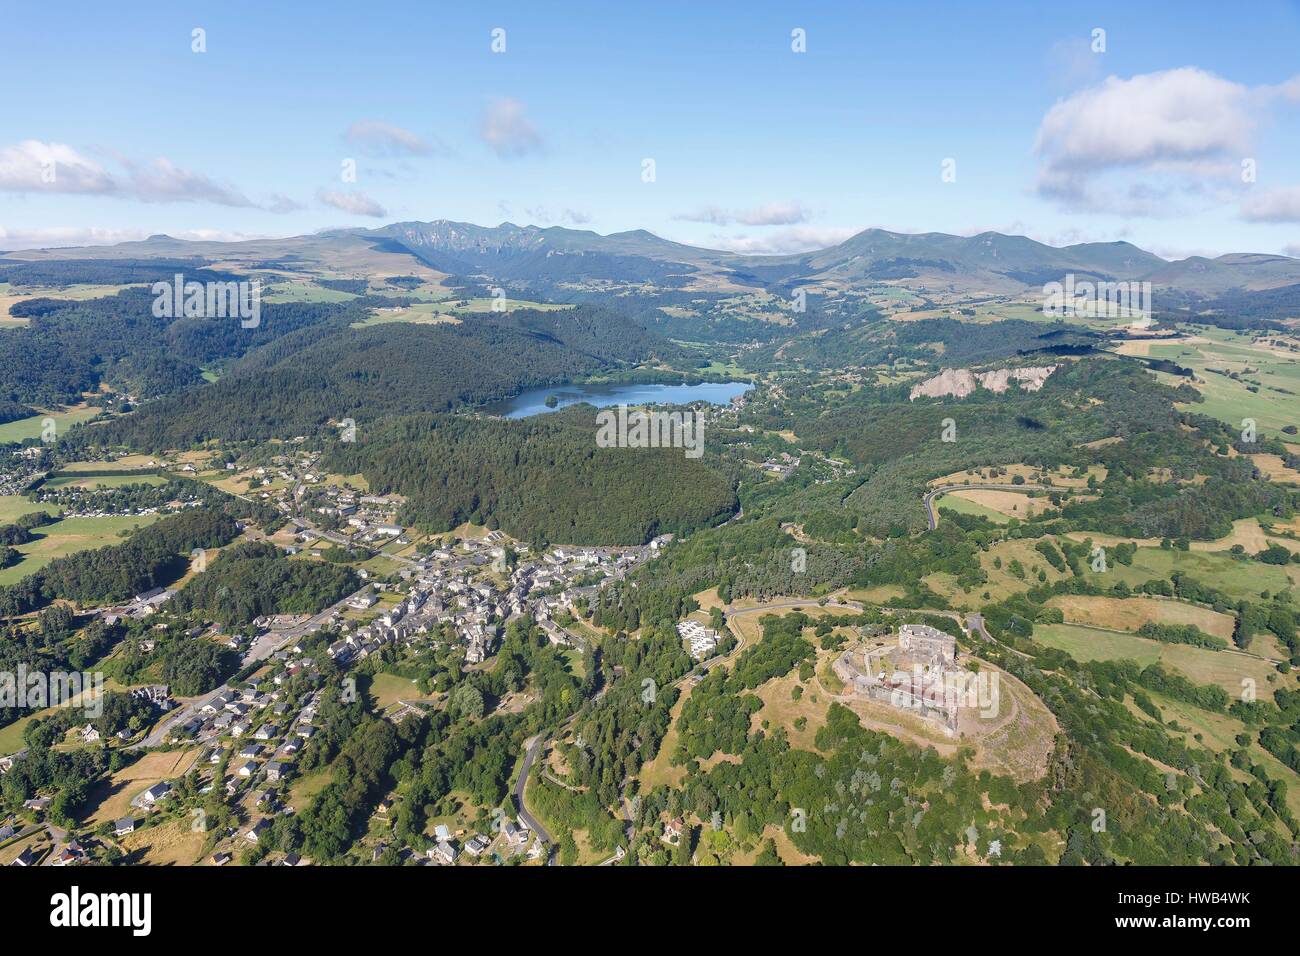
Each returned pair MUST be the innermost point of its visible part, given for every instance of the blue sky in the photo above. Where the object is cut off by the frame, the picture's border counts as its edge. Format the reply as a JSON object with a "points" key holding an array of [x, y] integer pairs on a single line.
{"points": [[756, 147]]}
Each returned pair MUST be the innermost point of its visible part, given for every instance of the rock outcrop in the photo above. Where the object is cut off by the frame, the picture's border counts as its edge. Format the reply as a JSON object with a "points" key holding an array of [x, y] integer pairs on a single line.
{"points": [[960, 382]]}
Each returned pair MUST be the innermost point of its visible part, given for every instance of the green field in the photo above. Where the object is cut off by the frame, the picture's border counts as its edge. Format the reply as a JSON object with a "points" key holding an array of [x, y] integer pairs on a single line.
{"points": [[67, 537], [431, 313], [1197, 664], [303, 291], [964, 507], [11, 295], [13, 507], [11, 735], [1238, 579], [1228, 399], [25, 428], [388, 689], [304, 789], [103, 481]]}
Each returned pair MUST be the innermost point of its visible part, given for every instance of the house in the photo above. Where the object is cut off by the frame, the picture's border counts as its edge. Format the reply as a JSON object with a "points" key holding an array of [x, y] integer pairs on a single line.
{"points": [[216, 704], [40, 804], [443, 853], [221, 859], [89, 734], [476, 845], [673, 832], [255, 832], [124, 826], [274, 771], [153, 795], [26, 858], [247, 769], [250, 751], [515, 836], [291, 859], [265, 732], [70, 855]]}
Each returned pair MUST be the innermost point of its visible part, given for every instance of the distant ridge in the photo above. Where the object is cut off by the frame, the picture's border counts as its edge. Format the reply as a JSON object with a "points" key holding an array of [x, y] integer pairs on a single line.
{"points": [[988, 262]]}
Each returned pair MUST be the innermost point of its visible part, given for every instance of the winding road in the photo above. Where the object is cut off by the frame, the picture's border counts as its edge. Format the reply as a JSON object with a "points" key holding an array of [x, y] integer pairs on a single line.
{"points": [[932, 516]]}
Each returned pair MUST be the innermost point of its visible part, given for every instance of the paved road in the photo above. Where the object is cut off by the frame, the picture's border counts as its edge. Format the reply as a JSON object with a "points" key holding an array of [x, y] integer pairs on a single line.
{"points": [[933, 517], [532, 747], [260, 651]]}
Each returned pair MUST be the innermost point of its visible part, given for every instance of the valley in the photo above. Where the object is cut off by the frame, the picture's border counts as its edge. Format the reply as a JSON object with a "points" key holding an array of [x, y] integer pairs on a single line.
{"points": [[369, 568]]}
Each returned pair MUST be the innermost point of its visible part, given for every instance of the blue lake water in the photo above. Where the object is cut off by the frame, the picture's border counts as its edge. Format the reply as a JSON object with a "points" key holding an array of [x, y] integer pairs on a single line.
{"points": [[533, 401]]}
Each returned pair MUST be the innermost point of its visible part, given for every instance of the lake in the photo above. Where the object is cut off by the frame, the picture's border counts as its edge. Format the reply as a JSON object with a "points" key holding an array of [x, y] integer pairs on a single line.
{"points": [[533, 401]]}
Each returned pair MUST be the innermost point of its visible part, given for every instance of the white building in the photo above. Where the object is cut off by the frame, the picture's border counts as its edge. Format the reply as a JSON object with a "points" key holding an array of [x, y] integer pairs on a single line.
{"points": [[703, 640]]}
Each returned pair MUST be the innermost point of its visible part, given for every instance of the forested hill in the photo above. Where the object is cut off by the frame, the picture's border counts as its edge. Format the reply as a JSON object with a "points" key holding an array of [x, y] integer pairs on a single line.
{"points": [[541, 479], [315, 375], [70, 347]]}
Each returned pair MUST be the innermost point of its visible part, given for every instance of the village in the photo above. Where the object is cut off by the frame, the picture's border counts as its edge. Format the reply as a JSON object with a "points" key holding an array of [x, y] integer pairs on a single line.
{"points": [[456, 597]]}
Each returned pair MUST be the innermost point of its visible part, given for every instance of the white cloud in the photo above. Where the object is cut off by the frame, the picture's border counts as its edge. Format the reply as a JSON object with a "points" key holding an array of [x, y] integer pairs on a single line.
{"points": [[386, 139], [769, 214], [542, 214], [163, 181], [356, 203], [507, 130], [1275, 205], [32, 166], [782, 242], [1186, 128], [1292, 250], [283, 204], [59, 236]]}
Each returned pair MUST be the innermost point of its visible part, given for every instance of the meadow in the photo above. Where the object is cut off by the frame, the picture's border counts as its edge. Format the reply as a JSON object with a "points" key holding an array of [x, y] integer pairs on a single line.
{"points": [[25, 428], [68, 536]]}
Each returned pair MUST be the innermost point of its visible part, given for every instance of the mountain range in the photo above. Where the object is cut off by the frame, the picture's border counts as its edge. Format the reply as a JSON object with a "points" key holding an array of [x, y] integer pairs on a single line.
{"points": [[989, 262]]}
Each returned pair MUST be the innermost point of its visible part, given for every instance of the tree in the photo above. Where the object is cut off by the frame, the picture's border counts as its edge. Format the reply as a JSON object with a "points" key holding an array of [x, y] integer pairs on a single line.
{"points": [[568, 850], [466, 701]]}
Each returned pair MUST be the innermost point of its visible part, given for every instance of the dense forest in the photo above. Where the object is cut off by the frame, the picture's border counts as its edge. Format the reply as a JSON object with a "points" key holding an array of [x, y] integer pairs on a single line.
{"points": [[69, 347], [255, 579], [308, 378], [542, 479]]}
